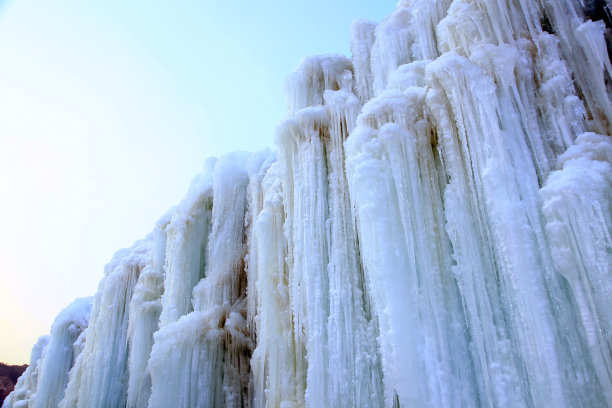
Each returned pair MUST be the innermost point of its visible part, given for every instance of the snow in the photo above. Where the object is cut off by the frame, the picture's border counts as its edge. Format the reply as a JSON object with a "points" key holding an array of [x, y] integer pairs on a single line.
{"points": [[435, 230]]}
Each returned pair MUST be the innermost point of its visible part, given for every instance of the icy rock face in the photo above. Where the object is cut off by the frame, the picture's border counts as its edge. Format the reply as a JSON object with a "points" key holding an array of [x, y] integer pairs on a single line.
{"points": [[435, 230]]}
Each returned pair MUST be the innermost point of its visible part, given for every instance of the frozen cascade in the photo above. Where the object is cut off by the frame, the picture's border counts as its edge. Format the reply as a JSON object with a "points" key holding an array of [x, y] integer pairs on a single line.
{"points": [[435, 230]]}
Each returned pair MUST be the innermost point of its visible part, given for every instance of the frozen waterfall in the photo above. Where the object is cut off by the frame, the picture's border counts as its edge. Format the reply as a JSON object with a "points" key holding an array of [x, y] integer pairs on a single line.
{"points": [[434, 230]]}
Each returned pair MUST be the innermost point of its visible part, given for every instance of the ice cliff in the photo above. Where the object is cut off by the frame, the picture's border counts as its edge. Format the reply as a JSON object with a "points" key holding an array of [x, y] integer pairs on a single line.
{"points": [[434, 230]]}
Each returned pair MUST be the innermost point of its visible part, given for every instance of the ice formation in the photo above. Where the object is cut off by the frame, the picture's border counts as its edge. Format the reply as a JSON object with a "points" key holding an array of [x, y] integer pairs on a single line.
{"points": [[43, 383], [435, 230]]}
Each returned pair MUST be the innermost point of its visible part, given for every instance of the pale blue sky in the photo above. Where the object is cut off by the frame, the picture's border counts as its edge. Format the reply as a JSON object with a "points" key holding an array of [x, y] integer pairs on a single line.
{"points": [[109, 108]]}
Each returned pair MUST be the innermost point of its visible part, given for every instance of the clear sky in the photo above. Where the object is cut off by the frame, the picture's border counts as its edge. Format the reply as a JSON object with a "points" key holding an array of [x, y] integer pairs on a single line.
{"points": [[109, 108]]}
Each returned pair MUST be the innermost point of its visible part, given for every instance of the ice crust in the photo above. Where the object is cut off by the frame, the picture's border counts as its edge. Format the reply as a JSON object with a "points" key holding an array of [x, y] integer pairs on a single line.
{"points": [[435, 230]]}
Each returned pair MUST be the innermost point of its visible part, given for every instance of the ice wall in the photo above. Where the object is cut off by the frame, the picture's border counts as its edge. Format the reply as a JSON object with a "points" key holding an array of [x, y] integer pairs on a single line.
{"points": [[435, 230]]}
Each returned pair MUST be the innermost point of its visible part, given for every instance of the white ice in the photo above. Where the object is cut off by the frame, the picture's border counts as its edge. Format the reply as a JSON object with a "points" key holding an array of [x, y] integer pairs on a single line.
{"points": [[434, 230]]}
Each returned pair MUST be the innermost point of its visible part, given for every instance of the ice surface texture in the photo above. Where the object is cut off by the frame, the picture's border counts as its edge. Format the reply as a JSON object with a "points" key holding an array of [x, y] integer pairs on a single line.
{"points": [[435, 230]]}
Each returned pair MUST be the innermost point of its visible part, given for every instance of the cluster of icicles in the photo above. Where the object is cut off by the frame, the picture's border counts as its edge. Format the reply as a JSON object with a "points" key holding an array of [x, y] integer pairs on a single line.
{"points": [[433, 231]]}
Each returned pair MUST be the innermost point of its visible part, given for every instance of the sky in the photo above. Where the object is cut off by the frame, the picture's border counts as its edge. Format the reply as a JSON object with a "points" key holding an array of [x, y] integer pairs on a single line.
{"points": [[107, 111]]}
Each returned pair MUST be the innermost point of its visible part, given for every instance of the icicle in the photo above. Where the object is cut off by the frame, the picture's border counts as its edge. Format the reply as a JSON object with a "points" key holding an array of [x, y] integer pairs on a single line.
{"points": [[99, 376], [425, 16], [58, 357], [27, 384], [145, 309], [393, 178], [302, 158], [333, 328], [576, 206], [257, 167], [392, 46], [582, 47], [276, 380], [501, 180], [353, 353], [187, 243], [560, 110], [362, 39], [203, 358], [435, 231], [305, 86]]}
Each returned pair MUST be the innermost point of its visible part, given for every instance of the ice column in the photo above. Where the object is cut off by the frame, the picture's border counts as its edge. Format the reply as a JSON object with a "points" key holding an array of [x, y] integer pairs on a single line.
{"points": [[576, 206], [393, 170], [435, 230], [59, 356], [202, 359], [187, 244], [333, 328], [145, 309], [277, 381], [99, 376], [487, 156]]}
